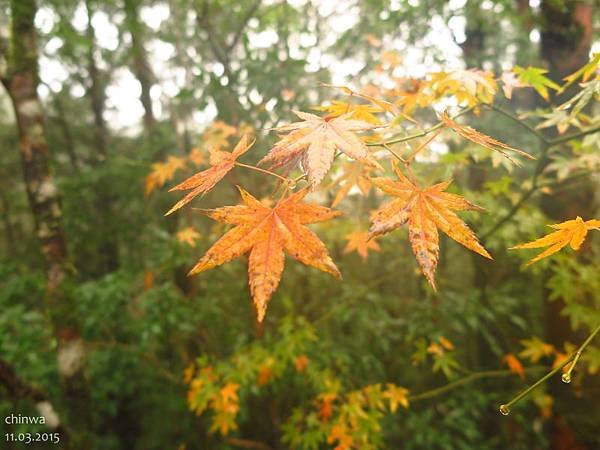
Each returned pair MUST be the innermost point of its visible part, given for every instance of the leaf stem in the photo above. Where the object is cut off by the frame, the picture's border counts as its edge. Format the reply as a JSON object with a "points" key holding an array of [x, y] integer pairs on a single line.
{"points": [[574, 357], [268, 172], [416, 151]]}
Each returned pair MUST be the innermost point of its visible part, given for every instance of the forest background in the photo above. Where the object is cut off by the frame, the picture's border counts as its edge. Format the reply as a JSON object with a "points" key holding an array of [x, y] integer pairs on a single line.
{"points": [[103, 332]]}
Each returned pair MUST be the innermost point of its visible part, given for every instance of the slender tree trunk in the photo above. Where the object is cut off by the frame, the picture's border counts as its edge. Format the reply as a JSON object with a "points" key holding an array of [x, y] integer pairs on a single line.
{"points": [[21, 81], [66, 132], [141, 69], [105, 198]]}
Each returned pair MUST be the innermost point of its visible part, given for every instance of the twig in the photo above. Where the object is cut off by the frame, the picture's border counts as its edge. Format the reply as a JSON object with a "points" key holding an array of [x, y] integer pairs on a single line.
{"points": [[578, 134], [474, 376], [514, 118], [268, 172], [420, 133], [416, 151], [574, 357]]}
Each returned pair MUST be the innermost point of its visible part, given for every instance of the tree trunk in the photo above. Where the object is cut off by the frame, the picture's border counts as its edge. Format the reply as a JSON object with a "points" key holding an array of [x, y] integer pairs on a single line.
{"points": [[141, 69], [105, 200], [21, 81]]}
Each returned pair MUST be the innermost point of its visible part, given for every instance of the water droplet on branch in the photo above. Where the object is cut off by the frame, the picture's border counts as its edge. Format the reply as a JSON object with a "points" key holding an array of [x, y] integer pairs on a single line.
{"points": [[566, 377], [504, 410]]}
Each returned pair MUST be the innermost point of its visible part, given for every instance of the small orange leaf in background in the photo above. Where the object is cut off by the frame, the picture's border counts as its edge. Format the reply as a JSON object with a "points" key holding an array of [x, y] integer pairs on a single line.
{"points": [[148, 279], [425, 210], [314, 141], [188, 236], [483, 139], [264, 375], [446, 343], [202, 182], [196, 156], [326, 405], [359, 241], [373, 40], [301, 363], [435, 349], [266, 233], [287, 94], [514, 365], [188, 373], [570, 232], [560, 358]]}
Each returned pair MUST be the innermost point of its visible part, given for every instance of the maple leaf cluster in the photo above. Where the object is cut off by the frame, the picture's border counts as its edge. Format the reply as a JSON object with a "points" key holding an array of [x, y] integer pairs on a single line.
{"points": [[269, 229]]}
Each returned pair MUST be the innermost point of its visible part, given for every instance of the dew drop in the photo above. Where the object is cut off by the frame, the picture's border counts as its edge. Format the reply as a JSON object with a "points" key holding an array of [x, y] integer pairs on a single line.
{"points": [[504, 410], [566, 377]]}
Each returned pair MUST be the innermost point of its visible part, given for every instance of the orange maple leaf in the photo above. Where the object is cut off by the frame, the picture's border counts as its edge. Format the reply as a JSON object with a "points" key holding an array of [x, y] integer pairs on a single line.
{"points": [[570, 232], [314, 141], [359, 241], [425, 210], [202, 182], [514, 365], [483, 139], [265, 233]]}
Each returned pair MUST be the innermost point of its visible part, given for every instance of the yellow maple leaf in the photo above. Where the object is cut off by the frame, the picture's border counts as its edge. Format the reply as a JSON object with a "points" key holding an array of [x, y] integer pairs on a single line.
{"points": [[570, 232], [188, 236], [314, 141], [397, 396], [412, 93], [202, 182], [425, 210], [265, 233], [163, 172], [469, 86], [359, 241], [359, 112]]}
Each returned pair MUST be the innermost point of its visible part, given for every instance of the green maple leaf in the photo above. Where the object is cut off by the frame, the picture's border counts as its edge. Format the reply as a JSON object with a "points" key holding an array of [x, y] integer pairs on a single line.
{"points": [[535, 78]]}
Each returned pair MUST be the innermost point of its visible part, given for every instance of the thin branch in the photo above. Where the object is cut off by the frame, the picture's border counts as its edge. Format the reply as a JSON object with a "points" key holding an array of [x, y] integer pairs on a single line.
{"points": [[474, 376], [268, 172], [576, 135], [574, 357], [416, 151], [420, 133], [522, 123], [242, 26]]}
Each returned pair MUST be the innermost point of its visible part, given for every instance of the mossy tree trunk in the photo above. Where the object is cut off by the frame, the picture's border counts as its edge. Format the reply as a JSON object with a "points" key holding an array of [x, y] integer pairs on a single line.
{"points": [[20, 78]]}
